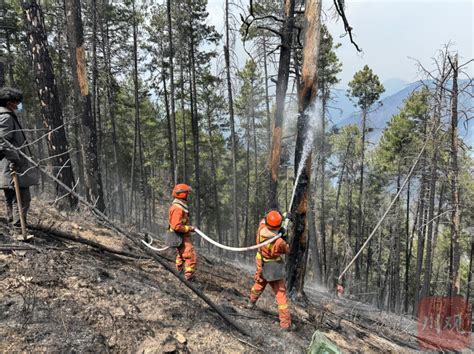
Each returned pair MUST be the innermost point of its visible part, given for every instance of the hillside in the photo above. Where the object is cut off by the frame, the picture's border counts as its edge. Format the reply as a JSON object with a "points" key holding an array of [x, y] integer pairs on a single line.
{"points": [[343, 111], [59, 295]]}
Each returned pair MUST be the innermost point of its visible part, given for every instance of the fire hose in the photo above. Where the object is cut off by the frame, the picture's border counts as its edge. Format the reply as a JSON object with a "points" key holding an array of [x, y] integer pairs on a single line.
{"points": [[224, 247]]}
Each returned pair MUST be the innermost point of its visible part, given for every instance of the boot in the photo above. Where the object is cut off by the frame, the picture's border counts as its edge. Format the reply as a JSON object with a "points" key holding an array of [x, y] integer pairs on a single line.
{"points": [[291, 328], [251, 305]]}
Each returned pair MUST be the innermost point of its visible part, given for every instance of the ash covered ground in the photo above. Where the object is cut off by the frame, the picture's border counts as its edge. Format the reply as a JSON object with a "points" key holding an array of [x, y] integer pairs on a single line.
{"points": [[60, 295]]}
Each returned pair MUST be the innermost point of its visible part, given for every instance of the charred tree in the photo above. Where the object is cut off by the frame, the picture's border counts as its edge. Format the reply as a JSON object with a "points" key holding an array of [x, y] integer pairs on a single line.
{"points": [[111, 112], [298, 256], [168, 125], [2, 73], [456, 213], [286, 34], [195, 135], [51, 110], [174, 148], [233, 137], [77, 53]]}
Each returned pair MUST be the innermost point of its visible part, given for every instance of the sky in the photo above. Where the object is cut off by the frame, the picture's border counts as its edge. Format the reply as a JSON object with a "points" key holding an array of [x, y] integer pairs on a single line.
{"points": [[390, 33]]}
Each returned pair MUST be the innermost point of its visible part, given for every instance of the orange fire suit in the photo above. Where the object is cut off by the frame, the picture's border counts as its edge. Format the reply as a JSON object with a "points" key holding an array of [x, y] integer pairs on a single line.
{"points": [[269, 253], [179, 222]]}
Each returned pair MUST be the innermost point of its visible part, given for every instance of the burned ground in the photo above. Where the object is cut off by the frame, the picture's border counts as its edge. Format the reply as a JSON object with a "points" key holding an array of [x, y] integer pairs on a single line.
{"points": [[59, 295]]}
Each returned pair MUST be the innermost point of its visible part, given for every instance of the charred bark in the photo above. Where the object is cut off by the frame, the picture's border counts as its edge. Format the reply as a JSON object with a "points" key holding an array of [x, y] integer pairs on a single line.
{"points": [[281, 87], [297, 258], [94, 190], [233, 137], [455, 200], [174, 148], [51, 110]]}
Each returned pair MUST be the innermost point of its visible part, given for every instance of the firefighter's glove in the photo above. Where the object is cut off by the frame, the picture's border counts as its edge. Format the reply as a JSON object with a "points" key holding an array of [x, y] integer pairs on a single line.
{"points": [[284, 235], [12, 167], [289, 216], [191, 228]]}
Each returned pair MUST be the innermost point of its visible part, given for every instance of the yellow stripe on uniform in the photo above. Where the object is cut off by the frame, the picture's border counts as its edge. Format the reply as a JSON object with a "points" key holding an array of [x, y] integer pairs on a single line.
{"points": [[256, 292], [282, 307], [189, 269]]}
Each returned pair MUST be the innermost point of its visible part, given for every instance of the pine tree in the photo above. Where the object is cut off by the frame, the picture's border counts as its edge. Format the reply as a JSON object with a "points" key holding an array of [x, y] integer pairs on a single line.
{"points": [[366, 88]]}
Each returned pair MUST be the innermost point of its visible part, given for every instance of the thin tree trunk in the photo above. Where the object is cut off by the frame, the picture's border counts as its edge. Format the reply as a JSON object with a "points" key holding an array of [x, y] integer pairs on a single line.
{"points": [[168, 127], [408, 247], [256, 202], [183, 114], [379, 270], [397, 248], [322, 218], [420, 244], [2, 73], [233, 137], [174, 148], [111, 110], [455, 200], [11, 77], [432, 194], [247, 189], [195, 133], [214, 176], [336, 213], [360, 217]]}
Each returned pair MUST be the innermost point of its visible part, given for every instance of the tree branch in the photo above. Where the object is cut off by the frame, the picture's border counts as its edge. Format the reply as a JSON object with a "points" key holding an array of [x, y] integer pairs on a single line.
{"points": [[339, 4]]}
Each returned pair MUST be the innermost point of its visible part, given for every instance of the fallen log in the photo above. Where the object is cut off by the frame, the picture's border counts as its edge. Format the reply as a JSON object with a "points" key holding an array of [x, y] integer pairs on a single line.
{"points": [[6, 248], [78, 239]]}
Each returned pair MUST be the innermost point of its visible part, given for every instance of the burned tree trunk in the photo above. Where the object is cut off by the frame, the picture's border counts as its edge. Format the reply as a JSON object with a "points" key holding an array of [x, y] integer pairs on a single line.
{"points": [[111, 111], [48, 95], [456, 213], [2, 73], [168, 126], [298, 256], [174, 148], [281, 87], [75, 31], [195, 135], [215, 192], [233, 137]]}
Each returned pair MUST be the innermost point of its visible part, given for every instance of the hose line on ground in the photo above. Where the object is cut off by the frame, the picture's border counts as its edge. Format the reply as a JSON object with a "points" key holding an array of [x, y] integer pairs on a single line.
{"points": [[154, 248]]}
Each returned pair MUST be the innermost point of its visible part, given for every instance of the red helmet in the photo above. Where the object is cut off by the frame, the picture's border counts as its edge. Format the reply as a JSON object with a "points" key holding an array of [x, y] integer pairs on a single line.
{"points": [[273, 219], [181, 191]]}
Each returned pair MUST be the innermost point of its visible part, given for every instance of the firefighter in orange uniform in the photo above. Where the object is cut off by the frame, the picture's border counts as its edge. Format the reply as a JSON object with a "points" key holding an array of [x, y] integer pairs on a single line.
{"points": [[179, 222], [269, 227]]}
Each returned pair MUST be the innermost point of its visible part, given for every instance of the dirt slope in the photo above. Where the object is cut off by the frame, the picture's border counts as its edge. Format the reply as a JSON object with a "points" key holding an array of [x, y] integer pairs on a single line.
{"points": [[65, 296]]}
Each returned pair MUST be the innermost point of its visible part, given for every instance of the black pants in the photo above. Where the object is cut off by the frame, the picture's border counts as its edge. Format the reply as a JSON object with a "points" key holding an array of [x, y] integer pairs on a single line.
{"points": [[10, 201]]}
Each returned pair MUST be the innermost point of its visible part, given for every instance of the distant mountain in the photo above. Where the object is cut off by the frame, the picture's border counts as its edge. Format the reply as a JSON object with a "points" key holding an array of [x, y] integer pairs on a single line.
{"points": [[342, 107], [343, 112], [392, 86]]}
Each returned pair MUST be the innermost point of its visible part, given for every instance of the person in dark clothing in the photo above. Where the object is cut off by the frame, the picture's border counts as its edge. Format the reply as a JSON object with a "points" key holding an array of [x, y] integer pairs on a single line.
{"points": [[11, 134]]}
